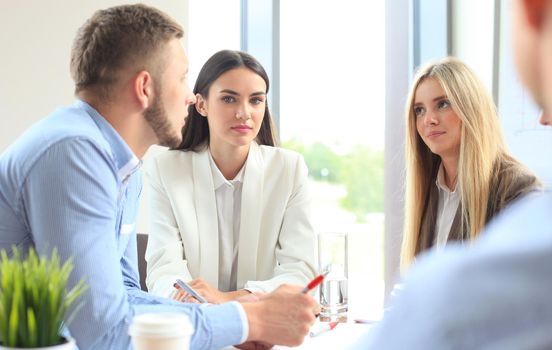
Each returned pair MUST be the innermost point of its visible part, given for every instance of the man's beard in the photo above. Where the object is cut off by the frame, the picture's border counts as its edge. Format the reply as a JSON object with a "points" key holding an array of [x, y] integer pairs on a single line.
{"points": [[158, 120]]}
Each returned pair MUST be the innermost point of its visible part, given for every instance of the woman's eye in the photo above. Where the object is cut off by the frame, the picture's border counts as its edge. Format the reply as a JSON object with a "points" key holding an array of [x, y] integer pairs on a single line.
{"points": [[228, 99], [418, 111], [257, 100], [443, 104]]}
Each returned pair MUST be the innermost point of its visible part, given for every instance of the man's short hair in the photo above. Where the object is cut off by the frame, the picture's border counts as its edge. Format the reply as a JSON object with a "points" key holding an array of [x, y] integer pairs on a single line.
{"points": [[117, 38]]}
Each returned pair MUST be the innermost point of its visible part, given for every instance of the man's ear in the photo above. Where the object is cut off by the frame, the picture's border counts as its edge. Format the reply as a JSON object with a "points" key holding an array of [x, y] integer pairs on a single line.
{"points": [[143, 88], [201, 105], [534, 11]]}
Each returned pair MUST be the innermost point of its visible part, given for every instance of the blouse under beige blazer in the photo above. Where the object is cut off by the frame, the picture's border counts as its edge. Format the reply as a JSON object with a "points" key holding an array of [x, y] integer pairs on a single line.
{"points": [[276, 238]]}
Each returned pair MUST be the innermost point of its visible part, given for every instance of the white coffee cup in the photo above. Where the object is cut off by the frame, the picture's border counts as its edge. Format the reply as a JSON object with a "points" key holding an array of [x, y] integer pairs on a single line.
{"points": [[161, 331]]}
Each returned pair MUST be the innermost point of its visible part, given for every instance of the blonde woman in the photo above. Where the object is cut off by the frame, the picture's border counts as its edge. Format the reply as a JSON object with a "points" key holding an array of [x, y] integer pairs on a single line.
{"points": [[459, 172]]}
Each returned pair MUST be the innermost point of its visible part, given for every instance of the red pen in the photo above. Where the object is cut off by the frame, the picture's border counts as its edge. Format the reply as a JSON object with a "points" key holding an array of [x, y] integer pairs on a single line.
{"points": [[324, 328], [315, 282]]}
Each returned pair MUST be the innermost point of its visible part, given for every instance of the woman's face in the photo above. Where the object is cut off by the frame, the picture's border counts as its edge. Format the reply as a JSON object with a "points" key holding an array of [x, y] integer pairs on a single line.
{"points": [[235, 108], [436, 122]]}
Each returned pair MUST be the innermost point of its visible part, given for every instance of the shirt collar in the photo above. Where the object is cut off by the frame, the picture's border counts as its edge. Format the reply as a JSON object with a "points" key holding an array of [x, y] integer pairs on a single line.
{"points": [[219, 179], [126, 161], [440, 180]]}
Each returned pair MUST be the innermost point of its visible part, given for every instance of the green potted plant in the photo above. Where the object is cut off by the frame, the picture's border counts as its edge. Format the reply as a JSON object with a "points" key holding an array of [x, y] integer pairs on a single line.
{"points": [[34, 302]]}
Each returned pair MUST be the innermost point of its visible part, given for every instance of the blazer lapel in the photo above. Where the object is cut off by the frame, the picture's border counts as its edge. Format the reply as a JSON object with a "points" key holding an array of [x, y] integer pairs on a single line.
{"points": [[251, 213], [455, 233], [206, 213], [427, 230]]}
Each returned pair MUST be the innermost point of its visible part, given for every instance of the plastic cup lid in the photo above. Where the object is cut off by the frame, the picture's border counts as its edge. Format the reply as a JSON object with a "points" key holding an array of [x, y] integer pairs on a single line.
{"points": [[161, 325]]}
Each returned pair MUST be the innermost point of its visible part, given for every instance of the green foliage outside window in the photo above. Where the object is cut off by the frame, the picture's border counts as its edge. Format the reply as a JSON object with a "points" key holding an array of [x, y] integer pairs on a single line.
{"points": [[360, 171]]}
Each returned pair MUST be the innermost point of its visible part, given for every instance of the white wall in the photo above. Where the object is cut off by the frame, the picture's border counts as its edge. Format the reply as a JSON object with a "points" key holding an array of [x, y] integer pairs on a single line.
{"points": [[36, 38]]}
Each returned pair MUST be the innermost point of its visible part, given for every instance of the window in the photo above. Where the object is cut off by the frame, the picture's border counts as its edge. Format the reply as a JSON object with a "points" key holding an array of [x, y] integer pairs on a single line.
{"points": [[332, 110]]}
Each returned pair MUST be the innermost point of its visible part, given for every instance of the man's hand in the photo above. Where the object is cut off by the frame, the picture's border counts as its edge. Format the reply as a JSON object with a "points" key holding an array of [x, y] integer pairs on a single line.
{"points": [[281, 317]]}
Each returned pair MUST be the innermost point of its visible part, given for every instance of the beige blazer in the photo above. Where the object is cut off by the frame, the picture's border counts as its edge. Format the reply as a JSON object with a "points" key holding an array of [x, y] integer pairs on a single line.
{"points": [[276, 238], [510, 181]]}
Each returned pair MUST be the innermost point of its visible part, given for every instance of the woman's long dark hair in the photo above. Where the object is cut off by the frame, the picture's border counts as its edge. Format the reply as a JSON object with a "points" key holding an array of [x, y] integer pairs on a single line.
{"points": [[195, 133]]}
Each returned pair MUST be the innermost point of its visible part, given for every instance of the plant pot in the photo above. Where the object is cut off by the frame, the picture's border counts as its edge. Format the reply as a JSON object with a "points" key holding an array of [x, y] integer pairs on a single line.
{"points": [[68, 344]]}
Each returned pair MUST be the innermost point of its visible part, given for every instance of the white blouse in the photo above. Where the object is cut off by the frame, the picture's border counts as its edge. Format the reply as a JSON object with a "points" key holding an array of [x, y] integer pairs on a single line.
{"points": [[228, 195], [449, 200]]}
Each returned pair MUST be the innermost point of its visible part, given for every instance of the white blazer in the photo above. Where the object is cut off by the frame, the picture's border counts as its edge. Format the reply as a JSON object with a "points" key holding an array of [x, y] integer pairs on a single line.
{"points": [[276, 238]]}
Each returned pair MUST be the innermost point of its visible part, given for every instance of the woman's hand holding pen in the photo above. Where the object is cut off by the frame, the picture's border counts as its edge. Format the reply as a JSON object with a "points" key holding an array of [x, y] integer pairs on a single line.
{"points": [[203, 288], [180, 295], [213, 295]]}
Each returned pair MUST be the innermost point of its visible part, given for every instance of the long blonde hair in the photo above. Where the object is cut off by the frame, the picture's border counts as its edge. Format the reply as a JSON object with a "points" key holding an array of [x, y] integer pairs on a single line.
{"points": [[481, 145]]}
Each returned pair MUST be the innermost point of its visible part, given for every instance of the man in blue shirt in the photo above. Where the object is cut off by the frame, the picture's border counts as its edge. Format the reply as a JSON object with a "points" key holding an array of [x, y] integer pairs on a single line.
{"points": [[72, 182], [496, 293]]}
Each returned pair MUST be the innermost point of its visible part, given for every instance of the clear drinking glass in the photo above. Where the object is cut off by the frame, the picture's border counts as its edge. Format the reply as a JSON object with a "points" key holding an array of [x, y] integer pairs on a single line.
{"points": [[333, 253]]}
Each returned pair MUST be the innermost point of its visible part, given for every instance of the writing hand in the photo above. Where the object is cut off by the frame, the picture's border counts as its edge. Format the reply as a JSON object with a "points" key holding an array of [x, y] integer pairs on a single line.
{"points": [[281, 317]]}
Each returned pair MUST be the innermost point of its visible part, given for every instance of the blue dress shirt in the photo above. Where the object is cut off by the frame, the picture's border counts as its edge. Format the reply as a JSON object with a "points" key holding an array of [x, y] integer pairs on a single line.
{"points": [[71, 182], [495, 294]]}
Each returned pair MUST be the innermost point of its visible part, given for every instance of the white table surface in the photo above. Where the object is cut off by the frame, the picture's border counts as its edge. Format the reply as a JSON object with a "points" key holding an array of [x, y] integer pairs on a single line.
{"points": [[345, 334]]}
